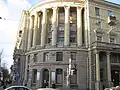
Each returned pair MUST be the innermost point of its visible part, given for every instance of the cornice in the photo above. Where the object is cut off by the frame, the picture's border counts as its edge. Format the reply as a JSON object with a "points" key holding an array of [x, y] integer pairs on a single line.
{"points": [[42, 3], [106, 3]]}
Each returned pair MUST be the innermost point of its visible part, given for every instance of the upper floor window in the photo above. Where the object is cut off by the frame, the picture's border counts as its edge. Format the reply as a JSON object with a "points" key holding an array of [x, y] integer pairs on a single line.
{"points": [[28, 58], [99, 38], [97, 11], [60, 39], [59, 56], [45, 58], [112, 40], [35, 57], [34, 76], [109, 13], [61, 27], [72, 39], [73, 55]]}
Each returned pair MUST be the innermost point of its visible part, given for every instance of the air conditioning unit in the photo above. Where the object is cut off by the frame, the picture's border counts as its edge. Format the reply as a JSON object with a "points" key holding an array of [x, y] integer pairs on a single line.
{"points": [[112, 20], [98, 22]]}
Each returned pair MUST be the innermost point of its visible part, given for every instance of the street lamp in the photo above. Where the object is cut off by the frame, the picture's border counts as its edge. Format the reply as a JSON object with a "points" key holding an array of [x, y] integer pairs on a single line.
{"points": [[70, 71]]}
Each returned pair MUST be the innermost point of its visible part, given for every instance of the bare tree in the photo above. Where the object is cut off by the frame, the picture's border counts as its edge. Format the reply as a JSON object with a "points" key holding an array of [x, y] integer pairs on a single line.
{"points": [[1, 56]]}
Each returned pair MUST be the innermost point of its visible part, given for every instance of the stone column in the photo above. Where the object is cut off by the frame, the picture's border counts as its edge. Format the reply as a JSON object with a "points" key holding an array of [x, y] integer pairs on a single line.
{"points": [[30, 78], [79, 26], [109, 70], [54, 26], [43, 32], [26, 68], [38, 78], [35, 30], [30, 31], [97, 84], [67, 31]]}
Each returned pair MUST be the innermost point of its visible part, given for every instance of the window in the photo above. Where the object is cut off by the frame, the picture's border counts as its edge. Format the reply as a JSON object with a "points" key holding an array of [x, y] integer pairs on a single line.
{"points": [[109, 13], [28, 58], [59, 76], [97, 11], [115, 58], [101, 74], [72, 39], [34, 76], [112, 40], [59, 56], [99, 38], [61, 27], [49, 40], [46, 54], [60, 39], [72, 27], [35, 57], [73, 55]]}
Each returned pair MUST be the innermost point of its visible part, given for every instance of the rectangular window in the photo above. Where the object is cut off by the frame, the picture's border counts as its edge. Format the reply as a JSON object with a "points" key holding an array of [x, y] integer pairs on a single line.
{"points": [[49, 40], [72, 39], [99, 38], [28, 59], [34, 76], [112, 40], [61, 27], [97, 11], [59, 56], [60, 39], [73, 55], [46, 54], [35, 57], [109, 13], [72, 27]]}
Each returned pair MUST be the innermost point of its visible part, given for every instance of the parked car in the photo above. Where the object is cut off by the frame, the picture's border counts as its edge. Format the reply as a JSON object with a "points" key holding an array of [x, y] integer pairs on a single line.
{"points": [[17, 88]]}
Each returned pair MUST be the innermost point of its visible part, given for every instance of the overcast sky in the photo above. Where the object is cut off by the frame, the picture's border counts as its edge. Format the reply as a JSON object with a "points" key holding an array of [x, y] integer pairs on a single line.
{"points": [[11, 11]]}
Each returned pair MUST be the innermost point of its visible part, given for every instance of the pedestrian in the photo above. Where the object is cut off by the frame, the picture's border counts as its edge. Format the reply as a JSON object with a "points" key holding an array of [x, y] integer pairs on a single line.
{"points": [[4, 87]]}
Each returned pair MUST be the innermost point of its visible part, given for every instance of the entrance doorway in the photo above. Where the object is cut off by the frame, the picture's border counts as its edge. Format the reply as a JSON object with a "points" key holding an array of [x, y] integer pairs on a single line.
{"points": [[115, 77], [45, 78]]}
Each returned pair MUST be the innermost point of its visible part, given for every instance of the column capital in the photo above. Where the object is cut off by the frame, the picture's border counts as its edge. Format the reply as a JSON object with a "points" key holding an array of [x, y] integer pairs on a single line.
{"points": [[32, 16], [96, 52], [44, 10], [55, 8], [66, 7], [79, 8], [108, 52], [39, 13]]}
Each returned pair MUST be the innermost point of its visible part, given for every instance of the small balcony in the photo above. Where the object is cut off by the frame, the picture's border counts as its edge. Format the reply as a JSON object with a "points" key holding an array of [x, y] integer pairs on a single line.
{"points": [[112, 20], [105, 45]]}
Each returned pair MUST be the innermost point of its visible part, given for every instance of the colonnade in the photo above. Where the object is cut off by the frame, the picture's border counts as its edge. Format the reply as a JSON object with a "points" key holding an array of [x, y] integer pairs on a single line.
{"points": [[34, 27], [98, 69]]}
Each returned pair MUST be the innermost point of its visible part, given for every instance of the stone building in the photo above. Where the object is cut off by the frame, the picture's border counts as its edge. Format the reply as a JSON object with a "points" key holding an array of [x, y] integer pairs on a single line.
{"points": [[54, 31]]}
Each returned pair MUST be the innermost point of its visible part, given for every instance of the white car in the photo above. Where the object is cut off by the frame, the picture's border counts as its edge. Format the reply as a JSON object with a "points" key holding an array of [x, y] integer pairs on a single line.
{"points": [[17, 88]]}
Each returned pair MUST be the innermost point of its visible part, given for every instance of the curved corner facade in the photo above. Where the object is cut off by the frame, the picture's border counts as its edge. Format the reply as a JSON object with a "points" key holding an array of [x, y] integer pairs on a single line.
{"points": [[57, 39]]}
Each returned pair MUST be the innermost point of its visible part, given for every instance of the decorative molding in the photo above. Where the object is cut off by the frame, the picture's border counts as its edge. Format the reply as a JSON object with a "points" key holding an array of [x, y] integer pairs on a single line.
{"points": [[99, 31]]}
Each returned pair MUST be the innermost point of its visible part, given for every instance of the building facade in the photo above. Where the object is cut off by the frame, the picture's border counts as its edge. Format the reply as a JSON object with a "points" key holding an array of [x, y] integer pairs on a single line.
{"points": [[54, 31]]}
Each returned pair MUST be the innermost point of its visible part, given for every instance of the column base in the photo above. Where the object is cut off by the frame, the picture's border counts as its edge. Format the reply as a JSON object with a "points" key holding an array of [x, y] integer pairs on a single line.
{"points": [[97, 85], [110, 84]]}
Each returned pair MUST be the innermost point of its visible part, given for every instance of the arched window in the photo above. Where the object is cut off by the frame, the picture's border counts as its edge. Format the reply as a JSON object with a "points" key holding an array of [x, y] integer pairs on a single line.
{"points": [[59, 76]]}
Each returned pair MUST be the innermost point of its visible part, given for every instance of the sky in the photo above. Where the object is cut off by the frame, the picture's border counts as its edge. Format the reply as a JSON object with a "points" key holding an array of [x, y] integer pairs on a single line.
{"points": [[11, 11]]}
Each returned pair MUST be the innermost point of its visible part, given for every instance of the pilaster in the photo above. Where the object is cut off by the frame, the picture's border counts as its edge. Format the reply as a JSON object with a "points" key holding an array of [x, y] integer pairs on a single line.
{"points": [[67, 31], [43, 32], [54, 26], [79, 26], [108, 70], [97, 83], [30, 32], [35, 30]]}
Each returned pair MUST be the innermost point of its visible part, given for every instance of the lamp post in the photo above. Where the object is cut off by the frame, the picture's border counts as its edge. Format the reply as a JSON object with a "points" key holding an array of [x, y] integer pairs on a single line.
{"points": [[70, 71]]}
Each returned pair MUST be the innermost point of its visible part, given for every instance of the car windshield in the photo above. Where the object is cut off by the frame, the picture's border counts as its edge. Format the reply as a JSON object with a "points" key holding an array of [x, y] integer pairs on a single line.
{"points": [[18, 88]]}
